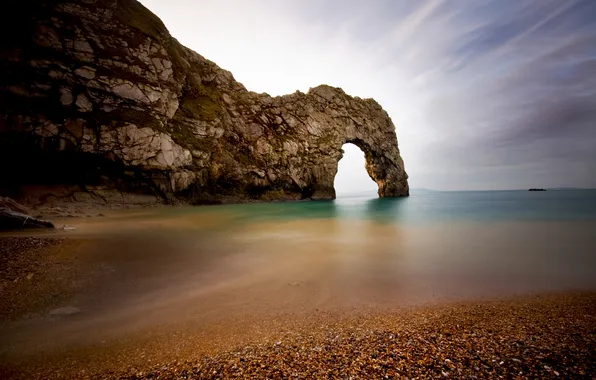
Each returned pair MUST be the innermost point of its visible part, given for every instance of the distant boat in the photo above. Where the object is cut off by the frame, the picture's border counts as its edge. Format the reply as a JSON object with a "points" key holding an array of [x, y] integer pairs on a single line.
{"points": [[533, 189]]}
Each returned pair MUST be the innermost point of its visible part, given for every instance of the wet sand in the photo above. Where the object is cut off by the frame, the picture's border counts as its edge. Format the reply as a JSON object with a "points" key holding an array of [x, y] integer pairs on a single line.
{"points": [[162, 288]]}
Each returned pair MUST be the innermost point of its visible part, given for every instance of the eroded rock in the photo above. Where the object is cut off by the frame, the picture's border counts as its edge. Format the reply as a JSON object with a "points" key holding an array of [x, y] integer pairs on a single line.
{"points": [[119, 102], [15, 216]]}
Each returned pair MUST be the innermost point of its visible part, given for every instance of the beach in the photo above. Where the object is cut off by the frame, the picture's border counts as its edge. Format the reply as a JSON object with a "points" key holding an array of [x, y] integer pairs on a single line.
{"points": [[270, 291], [544, 336], [165, 217]]}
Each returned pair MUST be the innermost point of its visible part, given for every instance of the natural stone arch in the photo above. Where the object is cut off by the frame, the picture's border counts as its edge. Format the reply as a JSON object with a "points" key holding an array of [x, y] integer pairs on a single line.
{"points": [[352, 176], [382, 167], [336, 119], [143, 113]]}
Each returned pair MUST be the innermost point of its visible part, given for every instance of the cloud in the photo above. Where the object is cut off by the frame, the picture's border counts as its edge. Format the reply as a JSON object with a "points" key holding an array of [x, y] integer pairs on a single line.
{"points": [[522, 100], [484, 94]]}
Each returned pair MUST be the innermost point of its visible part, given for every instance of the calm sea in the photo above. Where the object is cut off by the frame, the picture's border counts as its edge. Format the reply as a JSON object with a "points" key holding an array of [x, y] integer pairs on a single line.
{"points": [[200, 266], [426, 206]]}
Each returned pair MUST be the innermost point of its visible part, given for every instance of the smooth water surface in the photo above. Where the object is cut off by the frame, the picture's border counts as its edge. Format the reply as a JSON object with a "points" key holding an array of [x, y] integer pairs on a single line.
{"points": [[193, 268], [426, 206]]}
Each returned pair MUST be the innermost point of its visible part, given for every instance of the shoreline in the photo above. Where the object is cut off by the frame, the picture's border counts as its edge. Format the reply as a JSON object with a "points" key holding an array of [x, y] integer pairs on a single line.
{"points": [[97, 206], [73, 207]]}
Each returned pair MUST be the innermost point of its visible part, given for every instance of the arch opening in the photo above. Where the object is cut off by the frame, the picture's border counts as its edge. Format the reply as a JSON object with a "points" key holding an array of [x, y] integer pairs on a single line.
{"points": [[352, 176]]}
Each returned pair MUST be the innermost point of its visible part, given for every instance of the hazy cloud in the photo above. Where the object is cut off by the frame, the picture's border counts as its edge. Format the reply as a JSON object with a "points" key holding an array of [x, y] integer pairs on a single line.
{"points": [[484, 94]]}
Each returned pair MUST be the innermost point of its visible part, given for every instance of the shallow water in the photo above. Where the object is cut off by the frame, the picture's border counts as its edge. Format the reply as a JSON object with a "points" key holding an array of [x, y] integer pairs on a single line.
{"points": [[204, 266]]}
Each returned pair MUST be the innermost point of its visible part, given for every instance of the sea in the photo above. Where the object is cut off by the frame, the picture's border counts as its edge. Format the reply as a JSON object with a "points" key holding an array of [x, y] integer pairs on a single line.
{"points": [[435, 207], [432, 246], [239, 265]]}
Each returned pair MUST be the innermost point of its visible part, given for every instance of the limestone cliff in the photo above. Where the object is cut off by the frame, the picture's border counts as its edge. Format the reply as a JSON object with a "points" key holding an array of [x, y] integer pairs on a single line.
{"points": [[96, 94]]}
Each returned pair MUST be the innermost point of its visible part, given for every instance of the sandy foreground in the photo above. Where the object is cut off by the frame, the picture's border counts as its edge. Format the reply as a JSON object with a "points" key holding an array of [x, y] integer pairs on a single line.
{"points": [[549, 335], [541, 337]]}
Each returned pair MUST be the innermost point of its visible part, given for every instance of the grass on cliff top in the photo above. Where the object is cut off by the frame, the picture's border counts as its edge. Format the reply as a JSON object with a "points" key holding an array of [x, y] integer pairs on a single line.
{"points": [[133, 13], [200, 100], [202, 107]]}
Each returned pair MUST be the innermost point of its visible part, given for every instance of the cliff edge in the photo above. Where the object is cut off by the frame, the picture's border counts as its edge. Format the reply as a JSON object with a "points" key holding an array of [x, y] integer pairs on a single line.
{"points": [[97, 97]]}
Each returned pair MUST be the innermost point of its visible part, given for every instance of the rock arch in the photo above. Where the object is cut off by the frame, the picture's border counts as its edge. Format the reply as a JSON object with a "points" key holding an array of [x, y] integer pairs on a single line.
{"points": [[136, 110], [334, 119], [352, 175], [386, 168]]}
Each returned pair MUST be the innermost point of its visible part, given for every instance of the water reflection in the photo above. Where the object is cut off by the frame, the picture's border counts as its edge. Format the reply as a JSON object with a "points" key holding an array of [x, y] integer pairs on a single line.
{"points": [[322, 209], [363, 207], [205, 264], [385, 209]]}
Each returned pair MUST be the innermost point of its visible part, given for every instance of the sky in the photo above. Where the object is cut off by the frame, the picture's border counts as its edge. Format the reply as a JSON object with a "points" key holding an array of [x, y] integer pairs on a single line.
{"points": [[484, 94]]}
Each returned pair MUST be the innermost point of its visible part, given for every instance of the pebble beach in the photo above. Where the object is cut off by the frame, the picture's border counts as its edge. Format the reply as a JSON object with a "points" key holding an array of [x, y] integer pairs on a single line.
{"points": [[532, 337], [95, 304]]}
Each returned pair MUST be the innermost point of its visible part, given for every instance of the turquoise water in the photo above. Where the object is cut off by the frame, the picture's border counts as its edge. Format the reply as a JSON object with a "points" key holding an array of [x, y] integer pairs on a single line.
{"points": [[425, 206], [197, 266], [357, 249]]}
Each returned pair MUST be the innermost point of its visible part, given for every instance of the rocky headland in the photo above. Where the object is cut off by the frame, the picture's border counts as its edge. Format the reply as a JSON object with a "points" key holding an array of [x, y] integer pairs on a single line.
{"points": [[101, 104]]}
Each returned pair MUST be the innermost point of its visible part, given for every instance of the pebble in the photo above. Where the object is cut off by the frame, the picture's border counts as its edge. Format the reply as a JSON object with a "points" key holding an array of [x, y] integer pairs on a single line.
{"points": [[544, 337], [471, 341]]}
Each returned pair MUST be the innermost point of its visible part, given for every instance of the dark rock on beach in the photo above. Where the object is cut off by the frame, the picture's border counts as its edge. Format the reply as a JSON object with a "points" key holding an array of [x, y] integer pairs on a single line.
{"points": [[14, 216]]}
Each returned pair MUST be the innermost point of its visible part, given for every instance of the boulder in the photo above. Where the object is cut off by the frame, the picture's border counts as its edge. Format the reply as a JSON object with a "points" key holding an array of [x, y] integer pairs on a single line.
{"points": [[12, 216]]}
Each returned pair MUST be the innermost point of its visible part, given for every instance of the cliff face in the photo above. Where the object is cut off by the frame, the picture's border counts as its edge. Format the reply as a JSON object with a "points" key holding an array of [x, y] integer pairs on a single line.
{"points": [[96, 94]]}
